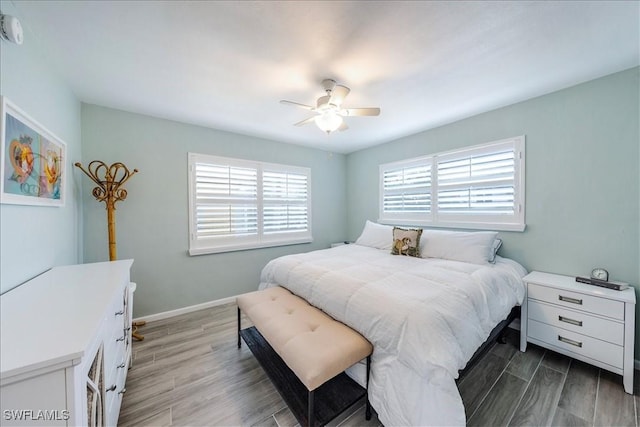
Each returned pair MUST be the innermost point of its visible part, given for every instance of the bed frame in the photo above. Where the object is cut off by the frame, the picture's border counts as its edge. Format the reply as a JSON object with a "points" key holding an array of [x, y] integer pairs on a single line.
{"points": [[497, 334]]}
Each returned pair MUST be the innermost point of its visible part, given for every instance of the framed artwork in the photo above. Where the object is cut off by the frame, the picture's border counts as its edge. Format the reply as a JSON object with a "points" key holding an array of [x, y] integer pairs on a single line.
{"points": [[32, 163]]}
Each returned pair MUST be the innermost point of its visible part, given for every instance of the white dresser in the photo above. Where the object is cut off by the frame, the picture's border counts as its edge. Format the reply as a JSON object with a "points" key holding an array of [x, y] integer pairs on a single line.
{"points": [[589, 323], [65, 346]]}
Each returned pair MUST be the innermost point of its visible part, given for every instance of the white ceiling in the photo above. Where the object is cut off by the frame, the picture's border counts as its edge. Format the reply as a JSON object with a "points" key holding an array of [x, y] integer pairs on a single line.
{"points": [[225, 65]]}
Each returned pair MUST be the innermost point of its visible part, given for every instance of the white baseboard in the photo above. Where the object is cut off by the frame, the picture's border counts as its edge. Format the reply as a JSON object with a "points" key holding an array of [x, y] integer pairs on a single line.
{"points": [[185, 310]]}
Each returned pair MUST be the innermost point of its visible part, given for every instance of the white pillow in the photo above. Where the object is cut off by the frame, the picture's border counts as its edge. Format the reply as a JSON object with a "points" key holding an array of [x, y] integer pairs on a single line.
{"points": [[474, 247], [376, 236]]}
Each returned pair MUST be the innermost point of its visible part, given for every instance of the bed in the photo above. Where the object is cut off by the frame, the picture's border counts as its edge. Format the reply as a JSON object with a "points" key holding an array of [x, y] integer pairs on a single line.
{"points": [[424, 316]]}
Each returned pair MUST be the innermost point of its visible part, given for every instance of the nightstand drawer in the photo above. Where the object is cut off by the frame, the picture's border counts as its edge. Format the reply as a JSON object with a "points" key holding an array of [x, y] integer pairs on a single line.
{"points": [[577, 301], [602, 351], [577, 321]]}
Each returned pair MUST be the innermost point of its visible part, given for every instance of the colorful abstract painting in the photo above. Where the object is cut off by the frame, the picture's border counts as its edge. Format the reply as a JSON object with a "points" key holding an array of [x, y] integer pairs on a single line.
{"points": [[33, 161]]}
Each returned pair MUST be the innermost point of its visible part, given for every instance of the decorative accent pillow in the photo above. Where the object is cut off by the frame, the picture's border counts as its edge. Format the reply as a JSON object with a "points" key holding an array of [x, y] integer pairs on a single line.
{"points": [[406, 242], [376, 236], [474, 247]]}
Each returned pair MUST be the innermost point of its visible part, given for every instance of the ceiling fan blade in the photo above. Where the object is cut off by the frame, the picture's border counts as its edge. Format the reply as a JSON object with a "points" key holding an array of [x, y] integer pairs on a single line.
{"points": [[338, 94], [362, 111], [305, 121], [343, 126], [297, 104]]}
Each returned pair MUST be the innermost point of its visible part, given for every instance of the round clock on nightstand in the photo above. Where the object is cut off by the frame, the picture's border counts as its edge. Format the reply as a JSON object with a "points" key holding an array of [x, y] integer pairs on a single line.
{"points": [[600, 274]]}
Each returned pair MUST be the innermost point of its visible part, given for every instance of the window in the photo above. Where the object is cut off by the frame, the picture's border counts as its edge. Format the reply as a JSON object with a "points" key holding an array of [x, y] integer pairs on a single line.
{"points": [[406, 189], [478, 187], [238, 204]]}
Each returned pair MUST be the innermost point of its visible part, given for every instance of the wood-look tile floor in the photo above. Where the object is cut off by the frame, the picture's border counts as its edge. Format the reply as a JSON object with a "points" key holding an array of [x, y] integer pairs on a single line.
{"points": [[189, 372]]}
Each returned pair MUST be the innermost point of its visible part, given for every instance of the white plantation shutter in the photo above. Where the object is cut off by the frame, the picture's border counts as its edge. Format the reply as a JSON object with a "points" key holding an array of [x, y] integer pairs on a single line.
{"points": [[480, 184], [237, 204], [285, 202], [226, 200], [406, 189], [477, 187]]}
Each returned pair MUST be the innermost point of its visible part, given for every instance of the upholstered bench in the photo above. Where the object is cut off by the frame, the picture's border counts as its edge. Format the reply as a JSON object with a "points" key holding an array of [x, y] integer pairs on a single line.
{"points": [[314, 346]]}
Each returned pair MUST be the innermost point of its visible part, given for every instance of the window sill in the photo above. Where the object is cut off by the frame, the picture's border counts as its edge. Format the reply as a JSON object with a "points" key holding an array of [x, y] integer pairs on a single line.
{"points": [[493, 226], [248, 246]]}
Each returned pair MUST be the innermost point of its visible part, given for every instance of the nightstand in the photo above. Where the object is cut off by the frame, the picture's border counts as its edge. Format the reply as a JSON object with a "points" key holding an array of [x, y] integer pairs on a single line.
{"points": [[589, 323]]}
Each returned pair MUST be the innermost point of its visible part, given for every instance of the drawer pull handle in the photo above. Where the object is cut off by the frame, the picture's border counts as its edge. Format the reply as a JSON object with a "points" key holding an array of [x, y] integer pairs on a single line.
{"points": [[571, 300], [120, 366], [570, 321], [123, 391], [120, 339], [112, 388], [119, 313], [568, 341]]}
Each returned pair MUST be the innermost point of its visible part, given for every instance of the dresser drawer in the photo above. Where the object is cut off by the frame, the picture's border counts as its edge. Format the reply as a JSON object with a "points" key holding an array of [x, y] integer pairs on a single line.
{"points": [[577, 321], [577, 301], [114, 398], [602, 351]]}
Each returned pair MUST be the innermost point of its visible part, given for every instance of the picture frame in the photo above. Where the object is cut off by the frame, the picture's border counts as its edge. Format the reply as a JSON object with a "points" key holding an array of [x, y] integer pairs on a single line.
{"points": [[32, 160]]}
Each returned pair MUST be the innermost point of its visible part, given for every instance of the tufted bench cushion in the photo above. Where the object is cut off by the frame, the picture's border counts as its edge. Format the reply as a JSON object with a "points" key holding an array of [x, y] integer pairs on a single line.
{"points": [[314, 345]]}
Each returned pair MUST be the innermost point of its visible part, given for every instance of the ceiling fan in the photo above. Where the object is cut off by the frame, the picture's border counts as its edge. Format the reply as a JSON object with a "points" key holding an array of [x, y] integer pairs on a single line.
{"points": [[328, 109]]}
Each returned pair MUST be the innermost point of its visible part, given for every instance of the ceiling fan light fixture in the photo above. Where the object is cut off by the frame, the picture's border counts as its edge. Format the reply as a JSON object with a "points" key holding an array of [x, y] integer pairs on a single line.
{"points": [[329, 112], [328, 121]]}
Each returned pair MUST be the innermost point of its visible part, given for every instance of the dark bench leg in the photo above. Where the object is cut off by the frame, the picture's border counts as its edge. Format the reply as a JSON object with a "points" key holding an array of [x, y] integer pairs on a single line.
{"points": [[367, 413], [239, 341], [310, 413]]}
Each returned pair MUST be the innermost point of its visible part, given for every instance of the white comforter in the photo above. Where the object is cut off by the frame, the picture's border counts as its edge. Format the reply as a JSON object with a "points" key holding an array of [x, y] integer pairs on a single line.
{"points": [[424, 317]]}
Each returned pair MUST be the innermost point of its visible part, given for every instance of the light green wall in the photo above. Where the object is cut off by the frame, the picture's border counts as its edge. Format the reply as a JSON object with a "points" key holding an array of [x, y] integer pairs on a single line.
{"points": [[582, 175], [582, 190], [152, 224], [35, 238]]}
